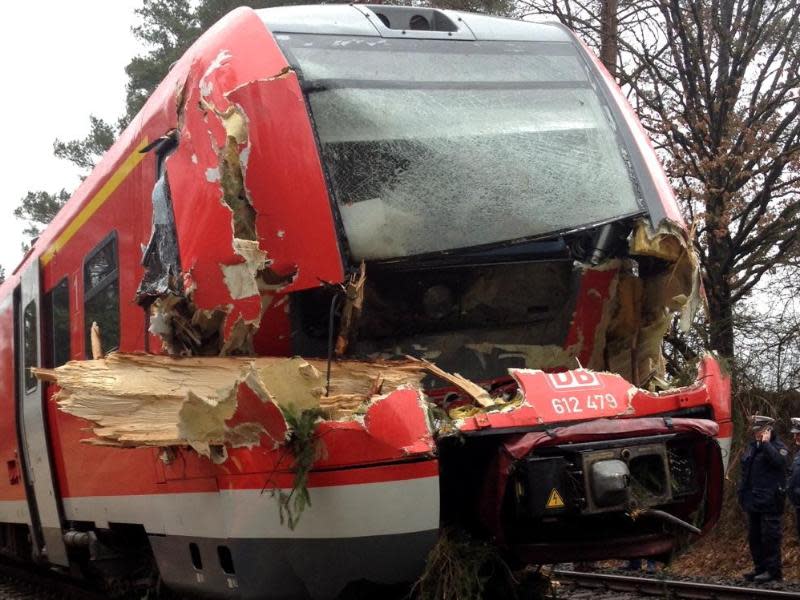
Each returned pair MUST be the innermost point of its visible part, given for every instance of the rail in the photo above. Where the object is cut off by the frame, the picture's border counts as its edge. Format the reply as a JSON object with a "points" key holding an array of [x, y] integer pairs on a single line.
{"points": [[25, 581], [669, 588]]}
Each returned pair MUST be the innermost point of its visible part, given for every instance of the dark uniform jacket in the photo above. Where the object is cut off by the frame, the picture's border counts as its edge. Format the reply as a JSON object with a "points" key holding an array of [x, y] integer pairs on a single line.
{"points": [[793, 486], [763, 485]]}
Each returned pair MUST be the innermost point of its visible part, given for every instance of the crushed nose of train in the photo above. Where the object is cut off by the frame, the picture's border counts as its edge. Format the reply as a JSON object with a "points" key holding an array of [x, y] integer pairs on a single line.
{"points": [[582, 394], [518, 448]]}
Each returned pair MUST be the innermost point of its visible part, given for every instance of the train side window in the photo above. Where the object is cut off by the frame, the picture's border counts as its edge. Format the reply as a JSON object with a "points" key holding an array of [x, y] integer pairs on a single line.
{"points": [[31, 345], [56, 323], [101, 294]]}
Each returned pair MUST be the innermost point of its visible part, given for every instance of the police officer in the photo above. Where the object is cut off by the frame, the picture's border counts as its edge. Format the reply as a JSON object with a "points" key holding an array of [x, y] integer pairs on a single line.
{"points": [[762, 493], [793, 487]]}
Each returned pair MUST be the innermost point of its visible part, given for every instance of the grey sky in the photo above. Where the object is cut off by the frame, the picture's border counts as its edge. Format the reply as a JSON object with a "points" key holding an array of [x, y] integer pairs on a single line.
{"points": [[61, 62]]}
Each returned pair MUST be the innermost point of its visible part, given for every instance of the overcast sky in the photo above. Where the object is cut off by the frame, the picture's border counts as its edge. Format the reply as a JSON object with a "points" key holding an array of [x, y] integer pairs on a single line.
{"points": [[61, 62]]}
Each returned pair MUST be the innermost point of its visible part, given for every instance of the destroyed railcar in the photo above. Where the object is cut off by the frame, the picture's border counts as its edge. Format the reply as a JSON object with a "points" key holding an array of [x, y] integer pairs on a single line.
{"points": [[458, 224]]}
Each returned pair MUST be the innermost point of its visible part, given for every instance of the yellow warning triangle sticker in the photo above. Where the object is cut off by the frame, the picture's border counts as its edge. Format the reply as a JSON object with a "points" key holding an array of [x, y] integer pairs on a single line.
{"points": [[555, 500]]}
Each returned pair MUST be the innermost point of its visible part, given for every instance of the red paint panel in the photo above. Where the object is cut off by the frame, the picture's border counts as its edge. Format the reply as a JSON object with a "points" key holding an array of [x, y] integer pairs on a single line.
{"points": [[284, 176], [126, 212], [11, 488], [399, 420], [274, 337], [581, 395], [725, 429], [574, 395], [718, 384], [394, 429], [378, 474], [245, 71], [595, 291], [87, 470], [251, 409]]}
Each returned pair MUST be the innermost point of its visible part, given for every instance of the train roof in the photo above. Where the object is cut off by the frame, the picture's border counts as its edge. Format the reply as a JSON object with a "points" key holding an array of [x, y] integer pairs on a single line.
{"points": [[377, 20]]}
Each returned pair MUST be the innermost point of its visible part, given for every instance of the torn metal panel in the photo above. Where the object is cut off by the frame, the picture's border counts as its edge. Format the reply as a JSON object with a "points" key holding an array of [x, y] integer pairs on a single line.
{"points": [[681, 284], [150, 400], [394, 426], [293, 213], [598, 285], [241, 279], [471, 389], [160, 258], [211, 404], [648, 297], [214, 192], [184, 329]]}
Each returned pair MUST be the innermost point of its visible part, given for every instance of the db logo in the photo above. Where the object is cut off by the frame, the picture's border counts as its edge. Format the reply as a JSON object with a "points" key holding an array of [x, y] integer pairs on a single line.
{"points": [[570, 380]]}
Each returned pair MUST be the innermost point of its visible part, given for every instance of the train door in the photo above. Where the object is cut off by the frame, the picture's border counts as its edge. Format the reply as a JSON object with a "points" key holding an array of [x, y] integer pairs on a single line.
{"points": [[44, 502]]}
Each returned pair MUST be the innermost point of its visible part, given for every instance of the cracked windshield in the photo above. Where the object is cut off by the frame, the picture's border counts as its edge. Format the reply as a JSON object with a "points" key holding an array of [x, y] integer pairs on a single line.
{"points": [[434, 145]]}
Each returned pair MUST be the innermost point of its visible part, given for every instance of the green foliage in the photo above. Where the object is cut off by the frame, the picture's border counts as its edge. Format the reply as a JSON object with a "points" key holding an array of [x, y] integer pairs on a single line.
{"points": [[86, 152], [37, 209], [166, 29], [2, 273], [304, 445]]}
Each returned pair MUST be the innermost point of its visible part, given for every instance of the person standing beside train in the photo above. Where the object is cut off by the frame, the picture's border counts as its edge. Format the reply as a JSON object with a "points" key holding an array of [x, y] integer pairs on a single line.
{"points": [[762, 495], [793, 486]]}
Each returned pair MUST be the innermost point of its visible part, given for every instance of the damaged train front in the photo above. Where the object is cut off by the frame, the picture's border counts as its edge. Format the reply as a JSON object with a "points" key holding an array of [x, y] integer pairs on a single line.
{"points": [[561, 432], [534, 260]]}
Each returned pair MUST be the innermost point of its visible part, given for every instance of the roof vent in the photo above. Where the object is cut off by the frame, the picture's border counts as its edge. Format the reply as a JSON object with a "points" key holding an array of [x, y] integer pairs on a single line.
{"points": [[408, 18]]}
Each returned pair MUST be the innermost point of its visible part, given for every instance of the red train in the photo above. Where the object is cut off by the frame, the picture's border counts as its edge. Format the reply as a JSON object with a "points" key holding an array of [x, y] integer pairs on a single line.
{"points": [[514, 226]]}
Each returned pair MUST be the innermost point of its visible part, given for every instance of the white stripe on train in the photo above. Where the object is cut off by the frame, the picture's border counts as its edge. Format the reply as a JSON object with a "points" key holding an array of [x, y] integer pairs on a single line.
{"points": [[344, 511], [337, 511]]}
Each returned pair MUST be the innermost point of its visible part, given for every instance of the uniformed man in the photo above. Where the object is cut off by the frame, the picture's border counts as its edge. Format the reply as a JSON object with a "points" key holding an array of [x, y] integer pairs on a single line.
{"points": [[793, 487], [762, 493]]}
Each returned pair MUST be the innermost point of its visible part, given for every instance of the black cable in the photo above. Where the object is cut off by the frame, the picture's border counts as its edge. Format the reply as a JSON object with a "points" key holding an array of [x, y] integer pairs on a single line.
{"points": [[334, 304]]}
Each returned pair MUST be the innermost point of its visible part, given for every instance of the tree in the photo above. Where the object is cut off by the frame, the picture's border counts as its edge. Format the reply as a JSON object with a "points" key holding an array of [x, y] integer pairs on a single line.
{"points": [[86, 152], [2, 273], [166, 29], [37, 209], [716, 86]]}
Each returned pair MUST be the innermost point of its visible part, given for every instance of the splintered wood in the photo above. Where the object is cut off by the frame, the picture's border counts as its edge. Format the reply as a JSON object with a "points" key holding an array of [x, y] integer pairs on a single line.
{"points": [[149, 400]]}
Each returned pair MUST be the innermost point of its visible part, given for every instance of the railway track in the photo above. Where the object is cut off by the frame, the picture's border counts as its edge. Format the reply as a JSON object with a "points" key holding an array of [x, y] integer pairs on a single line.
{"points": [[27, 582], [635, 587]]}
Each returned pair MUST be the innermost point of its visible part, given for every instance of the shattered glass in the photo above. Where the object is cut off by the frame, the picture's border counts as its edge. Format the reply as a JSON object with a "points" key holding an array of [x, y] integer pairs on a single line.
{"points": [[160, 259], [434, 145]]}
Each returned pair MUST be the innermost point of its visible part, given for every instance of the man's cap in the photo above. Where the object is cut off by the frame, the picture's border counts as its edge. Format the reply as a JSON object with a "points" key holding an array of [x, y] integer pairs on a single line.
{"points": [[795, 424], [760, 421]]}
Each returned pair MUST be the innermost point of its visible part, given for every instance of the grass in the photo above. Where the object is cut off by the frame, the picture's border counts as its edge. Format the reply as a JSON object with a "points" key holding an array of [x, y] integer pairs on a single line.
{"points": [[305, 447]]}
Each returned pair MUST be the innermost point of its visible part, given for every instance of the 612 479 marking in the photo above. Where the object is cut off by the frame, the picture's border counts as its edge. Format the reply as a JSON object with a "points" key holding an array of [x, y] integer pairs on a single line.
{"points": [[591, 403]]}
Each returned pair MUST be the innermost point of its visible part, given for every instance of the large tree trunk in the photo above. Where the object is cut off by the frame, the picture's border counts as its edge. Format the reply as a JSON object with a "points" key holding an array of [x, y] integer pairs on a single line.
{"points": [[608, 36], [720, 310], [718, 277]]}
